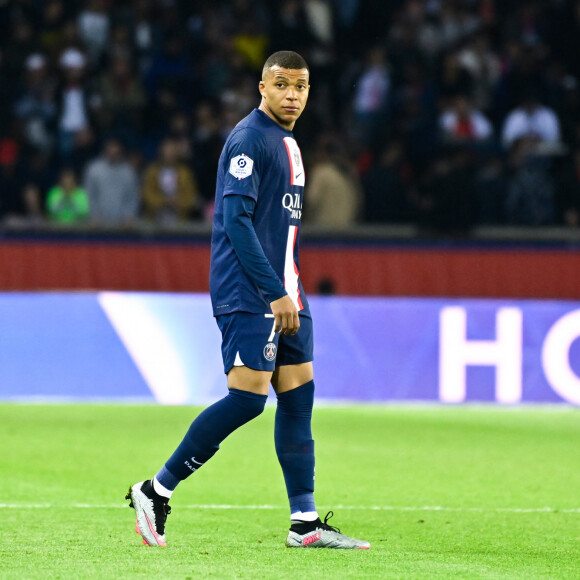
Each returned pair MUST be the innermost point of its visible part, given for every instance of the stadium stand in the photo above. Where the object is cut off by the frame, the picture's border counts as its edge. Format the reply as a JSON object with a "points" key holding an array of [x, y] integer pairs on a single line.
{"points": [[439, 80]]}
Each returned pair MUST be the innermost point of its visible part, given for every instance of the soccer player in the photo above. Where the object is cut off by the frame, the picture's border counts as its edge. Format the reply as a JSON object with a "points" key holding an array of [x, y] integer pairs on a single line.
{"points": [[261, 310]]}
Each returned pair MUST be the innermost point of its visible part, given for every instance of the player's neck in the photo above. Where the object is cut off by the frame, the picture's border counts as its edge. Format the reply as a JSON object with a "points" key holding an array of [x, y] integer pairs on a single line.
{"points": [[264, 108]]}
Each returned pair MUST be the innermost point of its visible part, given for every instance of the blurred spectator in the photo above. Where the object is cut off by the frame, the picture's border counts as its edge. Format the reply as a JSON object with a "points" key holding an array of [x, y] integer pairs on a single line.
{"points": [[556, 86], [531, 120], [145, 32], [121, 47], [38, 169], [385, 187], [11, 185], [319, 15], [563, 34], [207, 145], [85, 147], [458, 21], [6, 96], [67, 202], [169, 188], [415, 20], [35, 107], [112, 186], [530, 188], [70, 36], [122, 99], [169, 79], [371, 97], [414, 115], [217, 72], [483, 65], [522, 73], [251, 43], [526, 23], [448, 199], [402, 40], [347, 18], [74, 100], [491, 184], [333, 190], [461, 123], [53, 19], [238, 99], [31, 197], [94, 25], [321, 24], [180, 131], [19, 197], [290, 28], [454, 80], [22, 44]]}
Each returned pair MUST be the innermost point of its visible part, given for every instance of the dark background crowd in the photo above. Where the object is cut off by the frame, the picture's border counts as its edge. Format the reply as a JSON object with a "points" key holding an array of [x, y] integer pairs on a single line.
{"points": [[441, 113]]}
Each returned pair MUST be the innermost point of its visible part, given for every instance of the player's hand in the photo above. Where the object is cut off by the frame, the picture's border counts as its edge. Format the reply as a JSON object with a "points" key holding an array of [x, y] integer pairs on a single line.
{"points": [[286, 315]]}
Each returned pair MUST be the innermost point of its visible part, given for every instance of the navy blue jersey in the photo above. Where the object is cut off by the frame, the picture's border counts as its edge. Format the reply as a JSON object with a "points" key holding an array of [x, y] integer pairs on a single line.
{"points": [[260, 160]]}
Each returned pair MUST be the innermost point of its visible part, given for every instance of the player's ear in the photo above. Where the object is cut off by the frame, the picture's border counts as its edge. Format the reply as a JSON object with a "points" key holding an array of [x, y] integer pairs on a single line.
{"points": [[261, 87]]}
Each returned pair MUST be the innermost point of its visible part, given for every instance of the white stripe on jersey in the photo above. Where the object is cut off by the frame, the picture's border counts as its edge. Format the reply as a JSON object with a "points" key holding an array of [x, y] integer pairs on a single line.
{"points": [[290, 270], [297, 176]]}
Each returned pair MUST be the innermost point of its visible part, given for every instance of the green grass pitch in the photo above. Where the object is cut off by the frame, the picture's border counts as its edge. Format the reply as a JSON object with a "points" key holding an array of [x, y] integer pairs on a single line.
{"points": [[440, 492]]}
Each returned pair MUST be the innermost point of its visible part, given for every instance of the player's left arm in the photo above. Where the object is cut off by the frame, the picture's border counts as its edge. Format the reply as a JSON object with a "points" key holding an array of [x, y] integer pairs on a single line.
{"points": [[238, 213]]}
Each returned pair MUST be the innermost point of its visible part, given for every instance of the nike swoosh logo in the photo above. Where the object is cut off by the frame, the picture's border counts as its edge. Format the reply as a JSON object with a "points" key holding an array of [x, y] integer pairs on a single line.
{"points": [[297, 176]]}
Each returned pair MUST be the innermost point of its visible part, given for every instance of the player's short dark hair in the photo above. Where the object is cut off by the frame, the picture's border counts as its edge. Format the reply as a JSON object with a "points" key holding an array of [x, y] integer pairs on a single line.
{"points": [[285, 59]]}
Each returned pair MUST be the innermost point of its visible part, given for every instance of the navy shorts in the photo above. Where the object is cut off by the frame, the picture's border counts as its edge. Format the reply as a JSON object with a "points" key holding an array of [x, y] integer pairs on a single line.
{"points": [[249, 340]]}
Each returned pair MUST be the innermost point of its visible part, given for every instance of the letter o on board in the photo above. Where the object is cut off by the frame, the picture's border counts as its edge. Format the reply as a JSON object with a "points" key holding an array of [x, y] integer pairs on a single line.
{"points": [[556, 357]]}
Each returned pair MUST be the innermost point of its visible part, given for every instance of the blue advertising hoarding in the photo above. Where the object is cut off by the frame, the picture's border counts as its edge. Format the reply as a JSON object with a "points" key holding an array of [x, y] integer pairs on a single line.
{"points": [[166, 348]]}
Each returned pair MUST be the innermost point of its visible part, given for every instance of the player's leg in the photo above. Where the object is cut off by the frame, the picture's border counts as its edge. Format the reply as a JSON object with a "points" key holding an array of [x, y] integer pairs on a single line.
{"points": [[293, 381], [246, 398], [294, 386], [150, 498], [246, 339]]}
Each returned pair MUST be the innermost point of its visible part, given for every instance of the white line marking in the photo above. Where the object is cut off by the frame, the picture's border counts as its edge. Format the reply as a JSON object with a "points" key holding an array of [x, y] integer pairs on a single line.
{"points": [[276, 507]]}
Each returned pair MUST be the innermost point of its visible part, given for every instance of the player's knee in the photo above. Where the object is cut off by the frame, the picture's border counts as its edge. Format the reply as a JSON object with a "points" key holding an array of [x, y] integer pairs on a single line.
{"points": [[297, 401], [250, 404]]}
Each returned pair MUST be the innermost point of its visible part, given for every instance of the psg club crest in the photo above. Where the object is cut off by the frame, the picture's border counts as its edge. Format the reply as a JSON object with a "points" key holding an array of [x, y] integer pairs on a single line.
{"points": [[270, 351], [241, 166]]}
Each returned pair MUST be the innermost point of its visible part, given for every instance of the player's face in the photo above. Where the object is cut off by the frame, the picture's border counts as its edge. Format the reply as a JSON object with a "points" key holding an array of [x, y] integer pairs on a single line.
{"points": [[284, 94]]}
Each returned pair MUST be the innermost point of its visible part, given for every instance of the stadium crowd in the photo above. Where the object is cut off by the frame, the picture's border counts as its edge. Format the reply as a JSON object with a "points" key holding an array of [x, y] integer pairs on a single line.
{"points": [[443, 113]]}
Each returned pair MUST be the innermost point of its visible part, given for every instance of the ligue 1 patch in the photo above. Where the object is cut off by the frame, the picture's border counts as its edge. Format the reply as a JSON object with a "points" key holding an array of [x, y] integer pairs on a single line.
{"points": [[241, 166], [270, 351]]}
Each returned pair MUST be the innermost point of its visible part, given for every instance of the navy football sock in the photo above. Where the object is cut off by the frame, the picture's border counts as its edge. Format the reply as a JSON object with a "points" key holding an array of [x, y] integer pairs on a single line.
{"points": [[208, 430], [295, 447]]}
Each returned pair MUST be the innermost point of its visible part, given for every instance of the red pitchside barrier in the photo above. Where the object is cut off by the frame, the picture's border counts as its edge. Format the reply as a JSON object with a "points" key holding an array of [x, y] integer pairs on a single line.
{"points": [[358, 270]]}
